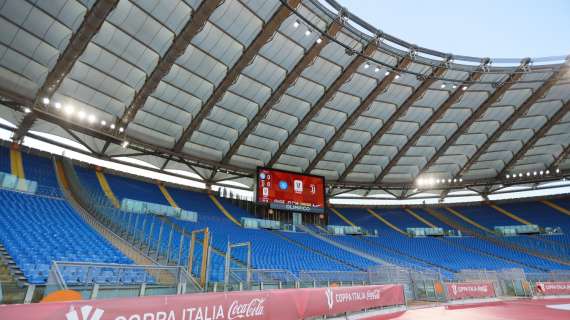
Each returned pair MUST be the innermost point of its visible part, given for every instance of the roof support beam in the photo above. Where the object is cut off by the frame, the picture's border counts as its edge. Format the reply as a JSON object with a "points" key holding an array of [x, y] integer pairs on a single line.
{"points": [[307, 59], [91, 24], [177, 48], [537, 135], [518, 113], [345, 75], [424, 86], [78, 139], [494, 97], [561, 157], [264, 36], [364, 105], [17, 102], [436, 115]]}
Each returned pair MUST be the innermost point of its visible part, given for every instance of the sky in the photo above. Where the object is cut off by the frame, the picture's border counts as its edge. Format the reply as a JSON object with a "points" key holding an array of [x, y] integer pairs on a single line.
{"points": [[481, 28]]}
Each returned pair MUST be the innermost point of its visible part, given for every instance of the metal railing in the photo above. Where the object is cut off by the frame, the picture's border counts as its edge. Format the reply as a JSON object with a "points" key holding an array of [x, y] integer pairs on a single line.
{"points": [[105, 280]]}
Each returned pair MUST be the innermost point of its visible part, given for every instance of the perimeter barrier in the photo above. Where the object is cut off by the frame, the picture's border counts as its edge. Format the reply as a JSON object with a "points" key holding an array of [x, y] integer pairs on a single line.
{"points": [[267, 304]]}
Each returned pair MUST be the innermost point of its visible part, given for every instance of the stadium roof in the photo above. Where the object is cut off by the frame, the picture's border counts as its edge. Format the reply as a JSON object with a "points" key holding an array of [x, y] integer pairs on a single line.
{"points": [[217, 88]]}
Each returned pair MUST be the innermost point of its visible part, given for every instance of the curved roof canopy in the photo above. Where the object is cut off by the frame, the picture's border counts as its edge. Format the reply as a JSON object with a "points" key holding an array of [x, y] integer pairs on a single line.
{"points": [[221, 87]]}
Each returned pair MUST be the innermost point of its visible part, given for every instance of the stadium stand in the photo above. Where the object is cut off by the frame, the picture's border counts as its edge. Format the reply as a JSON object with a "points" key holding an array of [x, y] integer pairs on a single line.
{"points": [[37, 230], [305, 252]]}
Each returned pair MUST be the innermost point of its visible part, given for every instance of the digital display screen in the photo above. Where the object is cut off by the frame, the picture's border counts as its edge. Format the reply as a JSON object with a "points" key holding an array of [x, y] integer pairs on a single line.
{"points": [[292, 191]]}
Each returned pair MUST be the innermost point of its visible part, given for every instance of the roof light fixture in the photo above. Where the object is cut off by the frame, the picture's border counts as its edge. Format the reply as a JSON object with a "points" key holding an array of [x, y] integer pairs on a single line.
{"points": [[121, 129], [366, 65], [547, 171], [103, 122], [387, 73], [91, 118], [308, 32], [464, 88], [454, 86], [296, 24], [319, 40], [397, 76], [376, 69], [27, 110], [112, 126], [557, 170], [125, 144], [508, 176], [57, 105], [541, 172], [68, 110], [45, 100], [443, 85], [81, 115]]}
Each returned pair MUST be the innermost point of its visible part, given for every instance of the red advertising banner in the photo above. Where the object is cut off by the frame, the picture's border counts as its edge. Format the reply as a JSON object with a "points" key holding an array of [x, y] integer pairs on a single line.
{"points": [[270, 304], [466, 290], [553, 288], [291, 191]]}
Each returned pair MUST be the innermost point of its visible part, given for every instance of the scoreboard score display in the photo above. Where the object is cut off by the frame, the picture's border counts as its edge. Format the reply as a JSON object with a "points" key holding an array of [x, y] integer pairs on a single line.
{"points": [[286, 190]]}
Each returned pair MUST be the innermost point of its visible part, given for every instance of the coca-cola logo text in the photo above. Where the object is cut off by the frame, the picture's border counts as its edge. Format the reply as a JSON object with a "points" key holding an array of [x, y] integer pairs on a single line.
{"points": [[253, 308]]}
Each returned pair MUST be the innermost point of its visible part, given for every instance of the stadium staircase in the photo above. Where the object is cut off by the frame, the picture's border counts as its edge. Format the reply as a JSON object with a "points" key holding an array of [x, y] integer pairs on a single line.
{"points": [[107, 189], [9, 271], [419, 218], [167, 195], [16, 164], [493, 239], [342, 246], [223, 210], [510, 215], [556, 207], [386, 222], [341, 216], [74, 193], [458, 214]]}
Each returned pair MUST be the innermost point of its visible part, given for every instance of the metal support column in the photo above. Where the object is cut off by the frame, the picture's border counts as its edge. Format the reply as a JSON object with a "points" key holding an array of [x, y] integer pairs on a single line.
{"points": [[169, 246], [159, 240]]}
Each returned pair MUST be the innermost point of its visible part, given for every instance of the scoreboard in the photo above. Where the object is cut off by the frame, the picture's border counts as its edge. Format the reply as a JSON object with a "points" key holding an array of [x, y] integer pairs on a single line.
{"points": [[292, 191]]}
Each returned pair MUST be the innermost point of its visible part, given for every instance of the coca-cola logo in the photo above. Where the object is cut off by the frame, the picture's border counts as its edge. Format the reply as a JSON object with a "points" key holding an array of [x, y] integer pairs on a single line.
{"points": [[253, 308]]}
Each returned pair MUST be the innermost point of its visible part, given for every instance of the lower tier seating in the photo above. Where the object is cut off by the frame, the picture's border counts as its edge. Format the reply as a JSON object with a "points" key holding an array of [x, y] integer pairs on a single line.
{"points": [[37, 230]]}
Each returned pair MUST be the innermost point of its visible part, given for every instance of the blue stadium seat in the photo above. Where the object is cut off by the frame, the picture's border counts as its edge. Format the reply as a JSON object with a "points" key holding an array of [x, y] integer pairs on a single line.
{"points": [[37, 230]]}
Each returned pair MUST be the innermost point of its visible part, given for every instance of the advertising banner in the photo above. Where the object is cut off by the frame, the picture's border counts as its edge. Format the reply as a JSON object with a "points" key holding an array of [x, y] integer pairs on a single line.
{"points": [[270, 304], [468, 290], [553, 288]]}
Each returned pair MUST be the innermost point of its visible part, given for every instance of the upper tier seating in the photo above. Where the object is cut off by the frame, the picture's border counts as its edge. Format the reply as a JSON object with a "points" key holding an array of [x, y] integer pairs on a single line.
{"points": [[42, 170], [135, 189], [486, 216]]}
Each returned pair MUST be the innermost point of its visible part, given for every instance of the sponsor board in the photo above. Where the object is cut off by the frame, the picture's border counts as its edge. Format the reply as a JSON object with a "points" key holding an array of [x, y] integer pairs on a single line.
{"points": [[467, 290], [553, 288], [270, 304]]}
